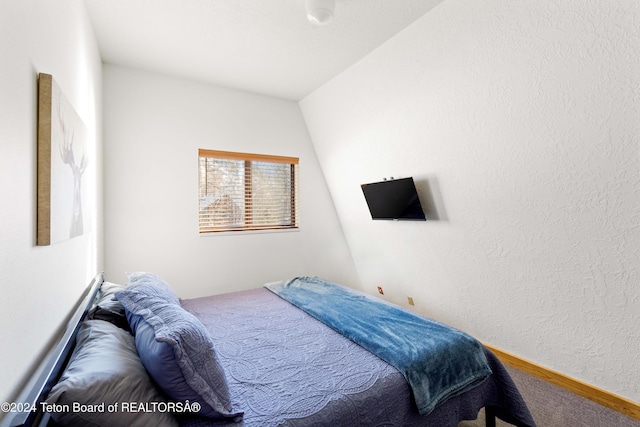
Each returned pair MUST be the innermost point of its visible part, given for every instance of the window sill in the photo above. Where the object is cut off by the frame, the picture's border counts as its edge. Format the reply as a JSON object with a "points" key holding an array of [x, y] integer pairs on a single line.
{"points": [[246, 232]]}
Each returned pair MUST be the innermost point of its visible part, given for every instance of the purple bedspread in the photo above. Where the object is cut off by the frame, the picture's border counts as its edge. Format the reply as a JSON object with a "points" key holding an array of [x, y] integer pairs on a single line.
{"points": [[284, 367]]}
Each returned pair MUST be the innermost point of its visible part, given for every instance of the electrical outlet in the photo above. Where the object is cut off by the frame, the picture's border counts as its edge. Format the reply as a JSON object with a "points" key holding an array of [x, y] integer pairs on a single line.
{"points": [[410, 299], [380, 291]]}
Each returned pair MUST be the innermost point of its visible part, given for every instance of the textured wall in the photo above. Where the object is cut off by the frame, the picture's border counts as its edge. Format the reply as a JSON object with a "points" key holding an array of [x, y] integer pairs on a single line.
{"points": [[154, 126], [520, 123], [40, 285]]}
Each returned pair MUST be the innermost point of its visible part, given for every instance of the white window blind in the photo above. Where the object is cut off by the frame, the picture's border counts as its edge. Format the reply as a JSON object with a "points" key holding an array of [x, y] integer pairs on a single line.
{"points": [[241, 191]]}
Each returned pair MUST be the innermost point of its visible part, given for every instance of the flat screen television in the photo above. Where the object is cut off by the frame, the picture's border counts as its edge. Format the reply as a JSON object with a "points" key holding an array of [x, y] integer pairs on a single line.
{"points": [[395, 199]]}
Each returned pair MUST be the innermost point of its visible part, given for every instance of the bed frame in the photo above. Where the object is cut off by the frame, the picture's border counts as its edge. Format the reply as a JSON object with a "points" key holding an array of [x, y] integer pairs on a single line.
{"points": [[52, 365]]}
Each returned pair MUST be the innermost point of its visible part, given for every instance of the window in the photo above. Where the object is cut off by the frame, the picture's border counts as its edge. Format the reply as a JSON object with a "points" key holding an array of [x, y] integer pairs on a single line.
{"points": [[240, 191]]}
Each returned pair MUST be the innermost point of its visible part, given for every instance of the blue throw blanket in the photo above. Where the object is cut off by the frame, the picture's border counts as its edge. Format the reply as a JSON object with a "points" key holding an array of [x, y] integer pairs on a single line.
{"points": [[438, 361]]}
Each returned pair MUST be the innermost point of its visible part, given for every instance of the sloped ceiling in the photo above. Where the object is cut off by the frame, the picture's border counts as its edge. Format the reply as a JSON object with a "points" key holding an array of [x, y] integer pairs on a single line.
{"points": [[261, 46]]}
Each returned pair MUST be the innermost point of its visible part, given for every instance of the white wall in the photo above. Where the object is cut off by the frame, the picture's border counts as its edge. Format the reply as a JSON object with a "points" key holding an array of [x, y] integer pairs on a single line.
{"points": [[521, 121], [40, 285], [154, 126]]}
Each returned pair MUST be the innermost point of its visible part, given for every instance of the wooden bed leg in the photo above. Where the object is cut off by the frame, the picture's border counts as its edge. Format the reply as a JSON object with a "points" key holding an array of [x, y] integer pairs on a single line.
{"points": [[489, 416]]}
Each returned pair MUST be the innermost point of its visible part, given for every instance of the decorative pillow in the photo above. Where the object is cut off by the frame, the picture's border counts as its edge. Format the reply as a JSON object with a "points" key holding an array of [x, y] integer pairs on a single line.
{"points": [[179, 354], [151, 285], [105, 371]]}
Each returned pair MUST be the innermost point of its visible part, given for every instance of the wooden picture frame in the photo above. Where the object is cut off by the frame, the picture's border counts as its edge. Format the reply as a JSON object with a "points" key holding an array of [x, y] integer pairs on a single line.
{"points": [[62, 162]]}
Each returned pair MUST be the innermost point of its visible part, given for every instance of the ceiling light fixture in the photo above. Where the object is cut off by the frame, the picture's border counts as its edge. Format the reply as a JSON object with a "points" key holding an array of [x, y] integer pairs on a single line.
{"points": [[320, 12]]}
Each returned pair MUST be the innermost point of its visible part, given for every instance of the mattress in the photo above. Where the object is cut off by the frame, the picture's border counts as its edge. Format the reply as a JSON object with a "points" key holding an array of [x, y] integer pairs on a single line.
{"points": [[284, 367]]}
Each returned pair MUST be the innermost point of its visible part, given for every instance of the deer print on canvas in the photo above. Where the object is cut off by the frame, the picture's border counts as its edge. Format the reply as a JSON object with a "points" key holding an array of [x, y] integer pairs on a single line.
{"points": [[77, 169], [64, 200]]}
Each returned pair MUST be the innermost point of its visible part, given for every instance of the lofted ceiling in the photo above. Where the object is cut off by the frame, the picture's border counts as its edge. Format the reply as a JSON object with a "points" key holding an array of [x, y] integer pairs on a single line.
{"points": [[261, 46]]}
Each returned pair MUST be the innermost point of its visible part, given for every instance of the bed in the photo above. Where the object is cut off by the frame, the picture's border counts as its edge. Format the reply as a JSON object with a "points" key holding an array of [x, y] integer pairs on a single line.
{"points": [[270, 360]]}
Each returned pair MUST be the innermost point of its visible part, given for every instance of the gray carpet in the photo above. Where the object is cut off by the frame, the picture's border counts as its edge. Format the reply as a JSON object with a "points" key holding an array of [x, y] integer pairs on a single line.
{"points": [[552, 406]]}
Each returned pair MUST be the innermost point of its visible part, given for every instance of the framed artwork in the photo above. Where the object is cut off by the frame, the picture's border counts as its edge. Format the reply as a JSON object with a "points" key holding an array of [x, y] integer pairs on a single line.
{"points": [[62, 162]]}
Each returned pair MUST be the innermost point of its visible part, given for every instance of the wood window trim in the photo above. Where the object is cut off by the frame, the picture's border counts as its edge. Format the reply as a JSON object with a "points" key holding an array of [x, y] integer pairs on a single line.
{"points": [[246, 156], [249, 223]]}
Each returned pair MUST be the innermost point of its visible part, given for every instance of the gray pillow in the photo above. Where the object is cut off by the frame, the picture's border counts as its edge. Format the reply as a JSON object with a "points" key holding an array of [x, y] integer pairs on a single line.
{"points": [[107, 292], [108, 308], [105, 369]]}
